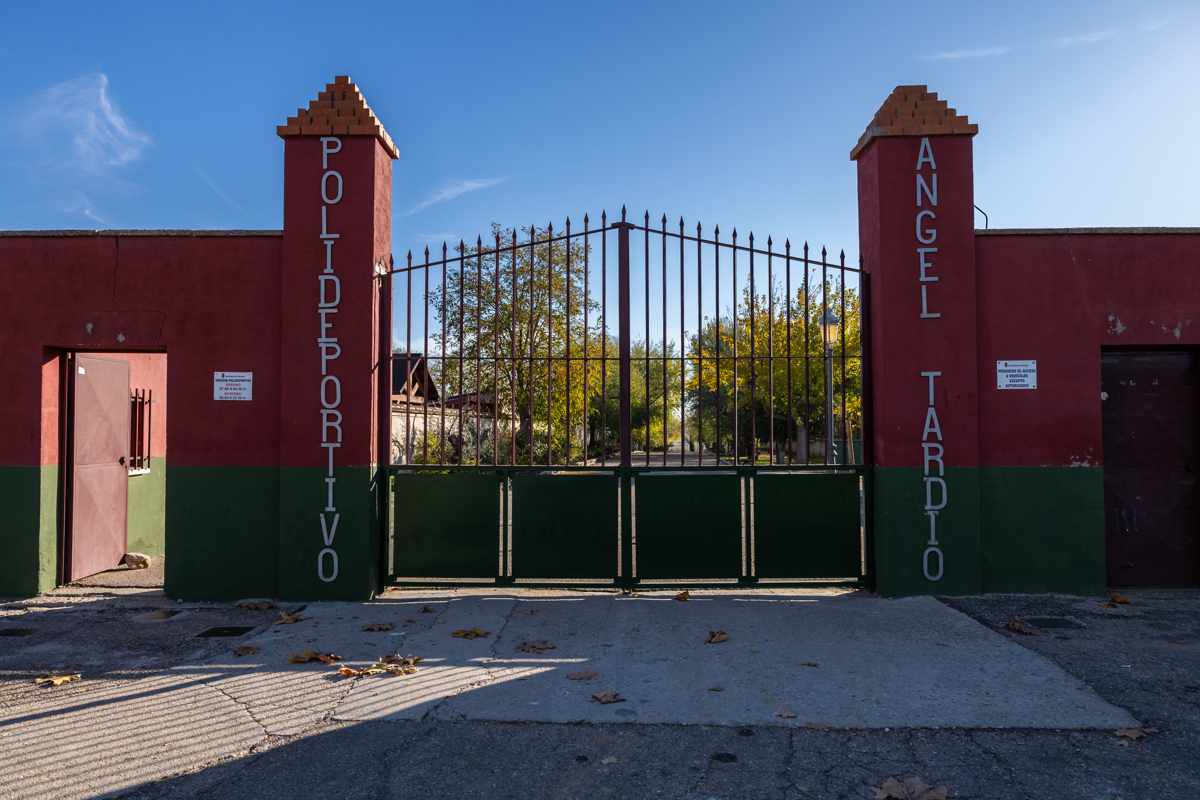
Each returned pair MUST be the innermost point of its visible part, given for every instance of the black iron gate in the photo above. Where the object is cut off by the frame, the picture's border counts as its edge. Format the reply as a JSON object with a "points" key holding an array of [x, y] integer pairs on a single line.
{"points": [[711, 430]]}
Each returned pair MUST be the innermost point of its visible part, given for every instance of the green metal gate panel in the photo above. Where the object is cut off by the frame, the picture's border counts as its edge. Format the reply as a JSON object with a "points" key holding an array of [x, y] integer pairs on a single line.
{"points": [[564, 525], [447, 525], [807, 525], [688, 526]]}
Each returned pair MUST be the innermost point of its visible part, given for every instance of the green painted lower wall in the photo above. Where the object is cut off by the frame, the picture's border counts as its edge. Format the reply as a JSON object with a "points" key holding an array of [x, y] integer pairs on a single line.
{"points": [[221, 532], [1043, 529], [1004, 529], [29, 530], [356, 541], [147, 520], [901, 530]]}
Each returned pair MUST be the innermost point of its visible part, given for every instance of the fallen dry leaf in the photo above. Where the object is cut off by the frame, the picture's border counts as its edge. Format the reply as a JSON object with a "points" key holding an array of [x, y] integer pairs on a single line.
{"points": [[716, 637], [161, 613], [1017, 626], [909, 789], [585, 675], [1118, 599], [469, 633], [377, 627], [786, 715], [683, 596], [288, 618], [245, 650], [388, 665], [256, 605], [535, 647], [607, 698], [57, 680], [313, 655], [1134, 734], [809, 664]]}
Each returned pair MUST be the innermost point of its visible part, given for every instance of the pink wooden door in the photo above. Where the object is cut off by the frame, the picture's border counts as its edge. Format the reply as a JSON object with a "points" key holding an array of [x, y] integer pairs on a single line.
{"points": [[100, 479]]}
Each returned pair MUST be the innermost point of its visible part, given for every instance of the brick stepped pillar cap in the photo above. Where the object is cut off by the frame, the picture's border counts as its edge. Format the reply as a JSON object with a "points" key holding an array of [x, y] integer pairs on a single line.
{"points": [[913, 111], [339, 110]]}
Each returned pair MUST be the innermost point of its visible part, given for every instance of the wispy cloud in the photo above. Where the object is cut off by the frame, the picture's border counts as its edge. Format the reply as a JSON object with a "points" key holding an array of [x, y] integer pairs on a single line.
{"points": [[1090, 37], [82, 204], [217, 190], [75, 144], [453, 190], [438, 238], [78, 123], [969, 52]]}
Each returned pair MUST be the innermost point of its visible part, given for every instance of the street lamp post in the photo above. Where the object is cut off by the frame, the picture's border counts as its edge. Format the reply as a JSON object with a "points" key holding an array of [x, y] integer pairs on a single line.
{"points": [[829, 331]]}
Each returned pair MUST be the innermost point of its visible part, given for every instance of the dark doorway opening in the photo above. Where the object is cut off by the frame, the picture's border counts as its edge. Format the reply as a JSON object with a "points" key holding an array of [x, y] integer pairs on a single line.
{"points": [[1151, 415]]}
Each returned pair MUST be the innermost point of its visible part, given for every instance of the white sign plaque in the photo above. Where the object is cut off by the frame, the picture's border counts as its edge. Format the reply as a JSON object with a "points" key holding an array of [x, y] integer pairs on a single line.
{"points": [[233, 386], [1016, 374]]}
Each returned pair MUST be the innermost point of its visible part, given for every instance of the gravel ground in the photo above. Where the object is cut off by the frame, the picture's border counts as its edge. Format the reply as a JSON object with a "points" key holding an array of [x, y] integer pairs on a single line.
{"points": [[1143, 656]]}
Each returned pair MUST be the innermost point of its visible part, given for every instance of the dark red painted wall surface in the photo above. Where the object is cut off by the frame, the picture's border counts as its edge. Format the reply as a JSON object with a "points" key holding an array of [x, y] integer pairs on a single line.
{"points": [[210, 301], [903, 344], [1059, 298], [363, 221]]}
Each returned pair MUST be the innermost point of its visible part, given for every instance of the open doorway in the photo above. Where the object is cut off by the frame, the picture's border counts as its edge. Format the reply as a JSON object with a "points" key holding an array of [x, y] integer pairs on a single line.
{"points": [[112, 494]]}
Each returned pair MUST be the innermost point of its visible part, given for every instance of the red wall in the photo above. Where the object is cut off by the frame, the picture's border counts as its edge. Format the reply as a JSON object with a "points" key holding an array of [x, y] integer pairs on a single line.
{"points": [[1059, 298], [211, 301]]}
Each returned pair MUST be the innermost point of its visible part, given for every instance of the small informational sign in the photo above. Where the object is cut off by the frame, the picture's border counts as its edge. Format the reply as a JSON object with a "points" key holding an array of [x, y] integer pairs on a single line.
{"points": [[233, 386], [1016, 374]]}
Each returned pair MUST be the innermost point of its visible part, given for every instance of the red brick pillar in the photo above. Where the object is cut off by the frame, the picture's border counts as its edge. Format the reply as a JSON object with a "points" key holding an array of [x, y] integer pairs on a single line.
{"points": [[336, 249], [917, 237]]}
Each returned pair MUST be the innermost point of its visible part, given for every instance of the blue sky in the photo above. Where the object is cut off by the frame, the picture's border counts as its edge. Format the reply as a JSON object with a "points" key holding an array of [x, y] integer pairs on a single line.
{"points": [[156, 115]]}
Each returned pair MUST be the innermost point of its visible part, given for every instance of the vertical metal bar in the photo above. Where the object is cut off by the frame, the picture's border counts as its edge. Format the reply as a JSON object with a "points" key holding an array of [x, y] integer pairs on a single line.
{"points": [[478, 346], [664, 335], [682, 356], [496, 356], [512, 366], [717, 340], [532, 314], [770, 353], [549, 341], [626, 499], [587, 299], [462, 322], [442, 365], [408, 363], [828, 355], [753, 447], [603, 338], [864, 321], [425, 372], [807, 357], [734, 326], [623, 341], [700, 352], [791, 407], [646, 341], [149, 425], [847, 444], [567, 336]]}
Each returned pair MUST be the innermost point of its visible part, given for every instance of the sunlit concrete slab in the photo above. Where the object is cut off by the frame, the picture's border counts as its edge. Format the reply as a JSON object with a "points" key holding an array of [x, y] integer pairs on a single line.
{"points": [[790, 659]]}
